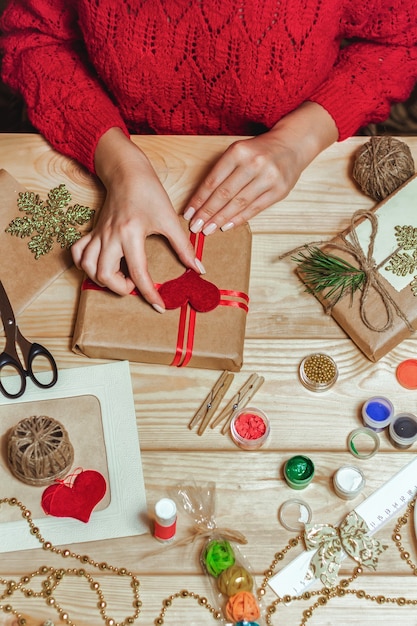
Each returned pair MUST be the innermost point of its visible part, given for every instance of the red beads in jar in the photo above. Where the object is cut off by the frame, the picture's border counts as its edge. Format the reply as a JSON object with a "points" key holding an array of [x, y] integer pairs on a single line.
{"points": [[250, 428]]}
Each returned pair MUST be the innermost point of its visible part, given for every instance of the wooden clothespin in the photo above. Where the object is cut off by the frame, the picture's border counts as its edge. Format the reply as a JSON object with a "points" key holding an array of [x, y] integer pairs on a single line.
{"points": [[239, 400], [207, 409]]}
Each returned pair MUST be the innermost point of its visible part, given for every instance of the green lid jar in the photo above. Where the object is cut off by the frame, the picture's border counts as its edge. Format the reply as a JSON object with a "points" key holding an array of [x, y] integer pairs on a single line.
{"points": [[299, 471]]}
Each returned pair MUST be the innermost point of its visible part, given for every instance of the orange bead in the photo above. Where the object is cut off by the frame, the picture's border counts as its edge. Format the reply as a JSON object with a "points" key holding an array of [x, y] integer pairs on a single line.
{"points": [[242, 606]]}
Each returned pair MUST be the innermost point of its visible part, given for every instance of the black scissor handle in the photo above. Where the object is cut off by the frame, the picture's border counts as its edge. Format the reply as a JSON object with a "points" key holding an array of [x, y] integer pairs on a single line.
{"points": [[36, 350], [6, 360]]}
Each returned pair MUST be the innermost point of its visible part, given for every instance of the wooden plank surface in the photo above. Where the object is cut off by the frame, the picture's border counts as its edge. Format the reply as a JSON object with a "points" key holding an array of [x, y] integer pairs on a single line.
{"points": [[284, 324]]}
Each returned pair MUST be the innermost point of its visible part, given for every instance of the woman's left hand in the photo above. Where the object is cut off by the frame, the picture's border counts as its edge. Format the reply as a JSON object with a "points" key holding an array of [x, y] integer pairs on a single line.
{"points": [[254, 173]]}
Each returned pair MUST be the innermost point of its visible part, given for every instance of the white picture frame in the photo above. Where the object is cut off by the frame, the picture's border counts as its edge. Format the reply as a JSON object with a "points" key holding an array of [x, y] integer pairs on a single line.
{"points": [[126, 513]]}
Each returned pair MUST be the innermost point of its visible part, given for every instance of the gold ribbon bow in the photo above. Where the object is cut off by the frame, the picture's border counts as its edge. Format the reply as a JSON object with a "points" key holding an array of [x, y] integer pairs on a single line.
{"points": [[329, 542]]}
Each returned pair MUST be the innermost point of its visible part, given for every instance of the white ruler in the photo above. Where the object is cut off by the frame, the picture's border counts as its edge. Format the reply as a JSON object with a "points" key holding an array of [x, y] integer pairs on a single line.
{"points": [[377, 510]]}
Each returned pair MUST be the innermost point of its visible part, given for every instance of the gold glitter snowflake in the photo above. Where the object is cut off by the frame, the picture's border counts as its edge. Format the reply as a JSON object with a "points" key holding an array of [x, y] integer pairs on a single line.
{"points": [[45, 221], [402, 263]]}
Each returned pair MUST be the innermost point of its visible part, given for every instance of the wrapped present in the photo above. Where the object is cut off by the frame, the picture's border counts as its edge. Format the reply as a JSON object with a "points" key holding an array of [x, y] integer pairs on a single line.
{"points": [[366, 277], [35, 237], [204, 324], [24, 272]]}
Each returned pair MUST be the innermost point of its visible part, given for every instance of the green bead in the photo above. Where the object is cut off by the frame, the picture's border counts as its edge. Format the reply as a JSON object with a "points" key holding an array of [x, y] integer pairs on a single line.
{"points": [[218, 556]]}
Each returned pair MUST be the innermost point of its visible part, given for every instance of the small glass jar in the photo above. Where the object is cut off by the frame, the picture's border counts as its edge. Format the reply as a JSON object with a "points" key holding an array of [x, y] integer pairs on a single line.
{"points": [[363, 442], [299, 471], [294, 514], [403, 430], [348, 482], [249, 428], [318, 372], [377, 413]]}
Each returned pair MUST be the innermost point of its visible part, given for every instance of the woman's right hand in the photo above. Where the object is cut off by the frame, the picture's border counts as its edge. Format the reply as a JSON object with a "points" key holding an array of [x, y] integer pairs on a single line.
{"points": [[135, 207]]}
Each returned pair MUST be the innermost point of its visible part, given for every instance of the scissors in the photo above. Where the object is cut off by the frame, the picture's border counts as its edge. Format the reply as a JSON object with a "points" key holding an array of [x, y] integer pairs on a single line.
{"points": [[30, 352]]}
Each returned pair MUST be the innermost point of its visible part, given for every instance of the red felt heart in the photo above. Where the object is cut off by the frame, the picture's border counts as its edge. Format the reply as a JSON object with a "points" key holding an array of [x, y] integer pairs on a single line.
{"points": [[202, 295], [77, 499]]}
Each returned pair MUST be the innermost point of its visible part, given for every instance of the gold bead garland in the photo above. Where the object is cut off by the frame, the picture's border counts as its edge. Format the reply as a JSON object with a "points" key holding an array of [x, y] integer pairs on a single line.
{"points": [[202, 601], [325, 594], [53, 576]]}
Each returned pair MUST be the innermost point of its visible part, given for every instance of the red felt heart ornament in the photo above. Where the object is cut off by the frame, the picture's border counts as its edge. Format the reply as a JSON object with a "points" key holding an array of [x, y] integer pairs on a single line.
{"points": [[77, 499], [202, 295]]}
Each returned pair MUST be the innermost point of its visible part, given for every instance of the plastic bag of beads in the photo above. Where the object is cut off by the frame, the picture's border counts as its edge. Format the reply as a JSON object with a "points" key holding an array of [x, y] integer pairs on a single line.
{"points": [[230, 576], [232, 580]]}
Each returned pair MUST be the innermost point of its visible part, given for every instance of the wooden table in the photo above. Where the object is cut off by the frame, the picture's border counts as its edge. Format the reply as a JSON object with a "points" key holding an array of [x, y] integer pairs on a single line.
{"points": [[284, 325]]}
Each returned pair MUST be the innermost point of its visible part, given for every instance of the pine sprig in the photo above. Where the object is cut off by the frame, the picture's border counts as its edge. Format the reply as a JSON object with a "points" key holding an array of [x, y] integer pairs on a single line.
{"points": [[329, 274]]}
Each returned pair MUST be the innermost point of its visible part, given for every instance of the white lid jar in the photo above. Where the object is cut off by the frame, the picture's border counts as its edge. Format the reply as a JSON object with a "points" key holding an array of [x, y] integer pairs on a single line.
{"points": [[165, 520]]}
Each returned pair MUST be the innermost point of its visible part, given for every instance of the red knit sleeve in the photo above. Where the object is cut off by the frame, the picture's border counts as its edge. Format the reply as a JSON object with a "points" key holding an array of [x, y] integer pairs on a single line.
{"points": [[44, 60], [378, 68]]}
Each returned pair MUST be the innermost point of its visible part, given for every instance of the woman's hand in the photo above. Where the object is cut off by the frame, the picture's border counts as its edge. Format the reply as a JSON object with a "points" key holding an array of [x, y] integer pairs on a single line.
{"points": [[254, 173], [136, 206]]}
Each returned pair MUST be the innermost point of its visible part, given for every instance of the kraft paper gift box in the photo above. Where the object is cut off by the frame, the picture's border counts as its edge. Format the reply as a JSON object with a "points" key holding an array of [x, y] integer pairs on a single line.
{"points": [[384, 312], [23, 276], [110, 326]]}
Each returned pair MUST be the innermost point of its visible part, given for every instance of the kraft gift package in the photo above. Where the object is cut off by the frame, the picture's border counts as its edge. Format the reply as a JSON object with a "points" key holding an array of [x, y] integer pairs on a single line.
{"points": [[204, 324]]}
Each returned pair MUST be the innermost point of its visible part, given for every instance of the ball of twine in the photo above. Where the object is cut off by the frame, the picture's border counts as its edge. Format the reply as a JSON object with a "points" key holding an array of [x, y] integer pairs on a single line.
{"points": [[382, 165], [39, 450]]}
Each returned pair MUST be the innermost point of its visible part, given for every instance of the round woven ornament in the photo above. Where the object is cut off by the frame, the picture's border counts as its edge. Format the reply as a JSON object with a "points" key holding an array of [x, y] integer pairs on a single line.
{"points": [[39, 450], [234, 579], [382, 165]]}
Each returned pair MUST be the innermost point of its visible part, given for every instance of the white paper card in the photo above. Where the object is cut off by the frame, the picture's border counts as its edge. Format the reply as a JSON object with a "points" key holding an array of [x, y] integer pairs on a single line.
{"points": [[398, 210], [126, 512]]}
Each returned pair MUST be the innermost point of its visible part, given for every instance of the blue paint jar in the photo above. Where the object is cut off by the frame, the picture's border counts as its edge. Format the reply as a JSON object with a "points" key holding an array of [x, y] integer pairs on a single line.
{"points": [[377, 413]]}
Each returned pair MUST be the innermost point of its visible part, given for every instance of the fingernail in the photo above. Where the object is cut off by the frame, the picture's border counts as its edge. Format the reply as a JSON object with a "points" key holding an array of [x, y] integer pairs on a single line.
{"points": [[158, 308], [189, 213], [227, 226], [200, 266], [197, 226], [209, 229]]}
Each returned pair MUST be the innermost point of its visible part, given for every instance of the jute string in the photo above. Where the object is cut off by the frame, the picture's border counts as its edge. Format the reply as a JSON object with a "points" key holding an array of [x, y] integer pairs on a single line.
{"points": [[382, 165], [39, 450]]}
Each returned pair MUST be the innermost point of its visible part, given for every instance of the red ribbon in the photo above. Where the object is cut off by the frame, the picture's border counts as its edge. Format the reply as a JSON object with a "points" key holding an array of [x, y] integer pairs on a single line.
{"points": [[186, 332], [181, 358]]}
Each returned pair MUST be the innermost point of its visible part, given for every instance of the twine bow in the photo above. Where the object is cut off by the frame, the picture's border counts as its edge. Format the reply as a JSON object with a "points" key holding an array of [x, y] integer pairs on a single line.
{"points": [[330, 542], [368, 266], [200, 531]]}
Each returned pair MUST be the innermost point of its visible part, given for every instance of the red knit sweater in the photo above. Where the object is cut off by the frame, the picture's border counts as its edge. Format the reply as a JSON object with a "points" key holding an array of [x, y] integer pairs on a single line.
{"points": [[203, 66]]}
